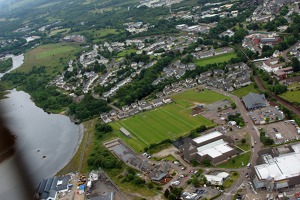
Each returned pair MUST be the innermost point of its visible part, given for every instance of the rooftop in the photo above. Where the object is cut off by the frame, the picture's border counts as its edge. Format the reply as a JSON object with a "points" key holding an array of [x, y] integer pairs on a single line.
{"points": [[207, 137], [282, 167], [214, 149]]}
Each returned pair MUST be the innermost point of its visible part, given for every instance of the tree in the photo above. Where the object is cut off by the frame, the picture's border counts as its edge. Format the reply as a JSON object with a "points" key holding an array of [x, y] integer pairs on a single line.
{"points": [[295, 64], [172, 197], [233, 105], [167, 193], [201, 129], [195, 181], [243, 141], [206, 162]]}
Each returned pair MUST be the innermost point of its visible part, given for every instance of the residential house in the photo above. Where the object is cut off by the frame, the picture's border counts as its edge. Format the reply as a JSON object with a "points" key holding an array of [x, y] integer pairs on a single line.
{"points": [[167, 91], [157, 102], [125, 108], [142, 102], [167, 100], [146, 106], [113, 112], [134, 105]]}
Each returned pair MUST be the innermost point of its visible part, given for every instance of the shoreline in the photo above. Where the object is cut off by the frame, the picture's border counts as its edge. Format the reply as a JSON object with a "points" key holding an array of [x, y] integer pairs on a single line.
{"points": [[81, 134]]}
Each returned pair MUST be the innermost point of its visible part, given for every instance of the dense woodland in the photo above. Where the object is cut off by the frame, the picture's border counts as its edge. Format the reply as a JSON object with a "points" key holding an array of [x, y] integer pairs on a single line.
{"points": [[5, 65]]}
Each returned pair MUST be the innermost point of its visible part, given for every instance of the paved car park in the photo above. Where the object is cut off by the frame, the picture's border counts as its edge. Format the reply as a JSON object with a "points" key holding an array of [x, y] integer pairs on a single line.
{"points": [[281, 132], [266, 115]]}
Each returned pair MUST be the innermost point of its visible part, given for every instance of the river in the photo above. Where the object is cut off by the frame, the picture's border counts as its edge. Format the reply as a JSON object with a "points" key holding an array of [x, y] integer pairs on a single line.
{"points": [[17, 62], [46, 142]]}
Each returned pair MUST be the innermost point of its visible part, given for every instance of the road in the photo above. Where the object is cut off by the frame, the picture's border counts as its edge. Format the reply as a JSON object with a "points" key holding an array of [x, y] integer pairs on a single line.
{"points": [[254, 135]]}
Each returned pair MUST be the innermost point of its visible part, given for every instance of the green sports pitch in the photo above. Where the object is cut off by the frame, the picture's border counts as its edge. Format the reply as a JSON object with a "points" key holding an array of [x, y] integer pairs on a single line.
{"points": [[167, 122]]}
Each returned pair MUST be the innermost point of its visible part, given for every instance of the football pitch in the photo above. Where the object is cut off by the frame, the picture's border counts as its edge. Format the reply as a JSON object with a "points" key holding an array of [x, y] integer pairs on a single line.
{"points": [[167, 122]]}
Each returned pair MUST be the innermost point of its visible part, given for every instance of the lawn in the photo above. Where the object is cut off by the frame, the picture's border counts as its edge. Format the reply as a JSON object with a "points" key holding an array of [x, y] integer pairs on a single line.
{"points": [[167, 122], [215, 59], [293, 93], [98, 35], [127, 51], [237, 162], [245, 90], [53, 56], [231, 179]]}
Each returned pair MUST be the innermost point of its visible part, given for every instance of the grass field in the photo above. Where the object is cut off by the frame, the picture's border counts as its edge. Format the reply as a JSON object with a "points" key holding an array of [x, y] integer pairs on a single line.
{"points": [[293, 93], [54, 32], [167, 122], [99, 34], [245, 90], [189, 97], [291, 96], [53, 56], [215, 59]]}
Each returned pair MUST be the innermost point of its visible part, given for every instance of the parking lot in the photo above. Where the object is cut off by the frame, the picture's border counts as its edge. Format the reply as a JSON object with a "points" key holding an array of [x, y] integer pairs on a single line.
{"points": [[204, 192], [281, 132], [218, 105], [266, 115]]}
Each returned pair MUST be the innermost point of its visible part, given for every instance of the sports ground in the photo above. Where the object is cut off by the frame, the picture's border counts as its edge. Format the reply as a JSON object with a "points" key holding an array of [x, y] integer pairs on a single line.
{"points": [[167, 122], [216, 59]]}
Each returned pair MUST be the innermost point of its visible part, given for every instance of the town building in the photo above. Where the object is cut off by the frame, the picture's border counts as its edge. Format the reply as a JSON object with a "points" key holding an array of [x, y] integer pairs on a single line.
{"points": [[253, 101], [213, 146], [49, 188], [277, 168], [216, 179]]}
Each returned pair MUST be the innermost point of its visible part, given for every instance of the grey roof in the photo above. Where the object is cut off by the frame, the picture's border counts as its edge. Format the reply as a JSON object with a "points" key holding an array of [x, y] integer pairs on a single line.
{"points": [[52, 194], [124, 131], [49, 187], [254, 100]]}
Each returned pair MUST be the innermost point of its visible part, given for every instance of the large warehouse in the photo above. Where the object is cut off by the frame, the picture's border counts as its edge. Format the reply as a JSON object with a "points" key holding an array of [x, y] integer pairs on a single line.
{"points": [[278, 170], [214, 146]]}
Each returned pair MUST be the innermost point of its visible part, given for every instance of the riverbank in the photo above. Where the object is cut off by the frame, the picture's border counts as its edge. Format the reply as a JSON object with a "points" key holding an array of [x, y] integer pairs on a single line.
{"points": [[78, 162]]}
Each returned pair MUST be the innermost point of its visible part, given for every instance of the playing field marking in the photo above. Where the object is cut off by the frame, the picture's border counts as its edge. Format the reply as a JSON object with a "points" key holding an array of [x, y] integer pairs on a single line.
{"points": [[192, 126], [132, 132]]}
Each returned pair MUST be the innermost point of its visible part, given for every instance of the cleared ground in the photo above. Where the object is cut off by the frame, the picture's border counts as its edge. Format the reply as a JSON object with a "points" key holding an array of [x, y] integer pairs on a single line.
{"points": [[167, 122], [215, 59], [245, 90]]}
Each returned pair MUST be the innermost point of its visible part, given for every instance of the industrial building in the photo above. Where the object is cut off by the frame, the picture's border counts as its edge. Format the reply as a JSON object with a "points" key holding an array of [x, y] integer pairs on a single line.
{"points": [[214, 146], [278, 168]]}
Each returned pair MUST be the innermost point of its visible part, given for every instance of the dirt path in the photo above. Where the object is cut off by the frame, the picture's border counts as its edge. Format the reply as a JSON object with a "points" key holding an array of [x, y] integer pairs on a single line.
{"points": [[88, 136]]}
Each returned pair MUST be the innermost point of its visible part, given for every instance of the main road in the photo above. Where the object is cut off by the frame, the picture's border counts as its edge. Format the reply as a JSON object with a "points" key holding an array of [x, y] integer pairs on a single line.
{"points": [[255, 143]]}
